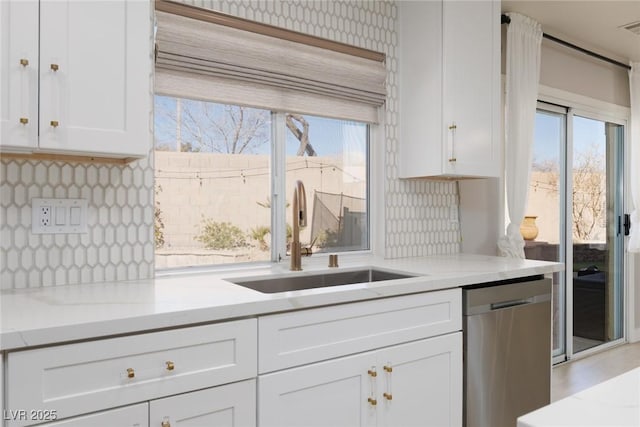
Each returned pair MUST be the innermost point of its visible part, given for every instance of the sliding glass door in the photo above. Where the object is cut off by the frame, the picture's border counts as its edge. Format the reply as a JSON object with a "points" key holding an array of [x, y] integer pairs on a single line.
{"points": [[575, 200], [546, 208], [596, 239]]}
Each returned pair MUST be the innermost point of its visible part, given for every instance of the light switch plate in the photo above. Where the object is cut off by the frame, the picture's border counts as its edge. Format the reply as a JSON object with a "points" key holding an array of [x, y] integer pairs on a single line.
{"points": [[58, 216]]}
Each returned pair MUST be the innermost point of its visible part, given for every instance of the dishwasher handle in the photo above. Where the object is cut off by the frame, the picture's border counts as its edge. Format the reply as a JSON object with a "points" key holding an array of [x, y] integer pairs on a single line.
{"points": [[512, 303], [504, 297]]}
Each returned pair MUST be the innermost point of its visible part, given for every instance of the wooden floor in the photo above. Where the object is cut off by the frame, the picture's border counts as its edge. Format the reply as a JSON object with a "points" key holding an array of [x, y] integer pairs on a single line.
{"points": [[572, 377]]}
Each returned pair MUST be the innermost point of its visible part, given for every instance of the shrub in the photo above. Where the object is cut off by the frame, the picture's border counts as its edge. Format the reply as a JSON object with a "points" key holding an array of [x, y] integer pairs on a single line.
{"points": [[158, 224], [259, 234], [220, 235]]}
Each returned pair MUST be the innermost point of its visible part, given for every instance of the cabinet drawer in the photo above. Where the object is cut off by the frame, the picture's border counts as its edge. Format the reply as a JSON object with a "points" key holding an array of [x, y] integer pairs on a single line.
{"points": [[230, 405], [306, 336], [128, 416], [79, 378]]}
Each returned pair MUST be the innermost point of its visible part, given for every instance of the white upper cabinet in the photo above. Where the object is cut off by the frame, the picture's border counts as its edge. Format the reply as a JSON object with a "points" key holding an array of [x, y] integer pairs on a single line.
{"points": [[449, 89], [87, 92], [19, 74]]}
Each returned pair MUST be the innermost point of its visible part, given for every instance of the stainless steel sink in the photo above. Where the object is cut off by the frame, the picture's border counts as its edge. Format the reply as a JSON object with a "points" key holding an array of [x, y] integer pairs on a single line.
{"points": [[273, 285]]}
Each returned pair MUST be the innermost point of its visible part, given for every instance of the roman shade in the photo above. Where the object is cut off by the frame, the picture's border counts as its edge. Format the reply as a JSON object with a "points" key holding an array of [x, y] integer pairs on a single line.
{"points": [[200, 59]]}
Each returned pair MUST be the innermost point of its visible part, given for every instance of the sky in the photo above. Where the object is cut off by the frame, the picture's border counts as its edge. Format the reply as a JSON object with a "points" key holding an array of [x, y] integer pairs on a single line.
{"points": [[329, 137], [549, 133]]}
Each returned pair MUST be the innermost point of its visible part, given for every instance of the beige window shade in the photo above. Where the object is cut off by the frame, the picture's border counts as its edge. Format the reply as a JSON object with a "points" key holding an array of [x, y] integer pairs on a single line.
{"points": [[203, 60]]}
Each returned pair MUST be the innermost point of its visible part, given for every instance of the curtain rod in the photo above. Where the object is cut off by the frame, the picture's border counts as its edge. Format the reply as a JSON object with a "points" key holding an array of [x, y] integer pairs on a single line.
{"points": [[506, 20]]}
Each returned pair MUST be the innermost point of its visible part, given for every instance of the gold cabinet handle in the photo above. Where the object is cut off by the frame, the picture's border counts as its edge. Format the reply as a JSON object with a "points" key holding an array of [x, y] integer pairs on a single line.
{"points": [[170, 365], [388, 369], [24, 120], [165, 424], [131, 373], [372, 401], [24, 62], [452, 128], [372, 373], [55, 123], [55, 67]]}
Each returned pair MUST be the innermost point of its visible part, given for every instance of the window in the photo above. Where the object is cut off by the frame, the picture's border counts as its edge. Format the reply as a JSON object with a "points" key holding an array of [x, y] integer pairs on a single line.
{"points": [[218, 191], [240, 115]]}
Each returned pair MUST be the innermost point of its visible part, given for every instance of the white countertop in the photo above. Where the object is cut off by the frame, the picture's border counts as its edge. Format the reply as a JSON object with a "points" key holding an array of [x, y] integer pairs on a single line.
{"points": [[615, 402], [43, 316]]}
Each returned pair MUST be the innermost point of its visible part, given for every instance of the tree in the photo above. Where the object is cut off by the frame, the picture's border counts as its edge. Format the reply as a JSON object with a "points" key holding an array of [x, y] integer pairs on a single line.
{"points": [[588, 193], [209, 127]]}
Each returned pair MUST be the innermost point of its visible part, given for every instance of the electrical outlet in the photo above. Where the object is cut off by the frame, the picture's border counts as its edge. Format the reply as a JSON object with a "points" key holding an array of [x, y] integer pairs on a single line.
{"points": [[58, 216], [45, 216]]}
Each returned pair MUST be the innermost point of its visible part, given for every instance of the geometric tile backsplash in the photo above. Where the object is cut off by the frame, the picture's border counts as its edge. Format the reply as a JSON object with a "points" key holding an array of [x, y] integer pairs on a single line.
{"points": [[119, 244]]}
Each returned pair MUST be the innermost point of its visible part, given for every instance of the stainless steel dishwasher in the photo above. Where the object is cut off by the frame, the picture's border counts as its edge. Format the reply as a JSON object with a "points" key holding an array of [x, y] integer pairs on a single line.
{"points": [[507, 351]]}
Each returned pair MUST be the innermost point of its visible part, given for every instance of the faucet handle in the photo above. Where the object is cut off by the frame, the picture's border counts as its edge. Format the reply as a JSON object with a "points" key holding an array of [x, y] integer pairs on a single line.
{"points": [[333, 260]]}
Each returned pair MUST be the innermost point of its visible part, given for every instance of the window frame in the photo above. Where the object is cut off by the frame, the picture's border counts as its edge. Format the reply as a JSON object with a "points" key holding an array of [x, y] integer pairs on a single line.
{"points": [[591, 108], [279, 195]]}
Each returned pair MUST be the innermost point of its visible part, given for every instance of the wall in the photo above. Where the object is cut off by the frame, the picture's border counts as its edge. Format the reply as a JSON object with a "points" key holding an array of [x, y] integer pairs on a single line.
{"points": [[575, 72], [119, 244], [199, 173], [413, 215]]}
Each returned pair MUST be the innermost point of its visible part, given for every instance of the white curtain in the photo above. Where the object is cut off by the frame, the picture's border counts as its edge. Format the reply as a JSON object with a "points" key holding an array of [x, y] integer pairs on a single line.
{"points": [[524, 37], [634, 87]]}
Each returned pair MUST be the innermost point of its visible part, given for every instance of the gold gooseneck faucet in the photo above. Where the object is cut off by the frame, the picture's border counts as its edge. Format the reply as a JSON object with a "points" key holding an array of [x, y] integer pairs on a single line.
{"points": [[299, 220]]}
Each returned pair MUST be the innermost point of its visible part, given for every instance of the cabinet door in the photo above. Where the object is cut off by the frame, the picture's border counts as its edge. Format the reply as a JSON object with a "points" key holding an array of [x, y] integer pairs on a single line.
{"points": [[95, 65], [19, 75], [231, 405], [421, 383], [332, 393], [471, 87], [128, 416]]}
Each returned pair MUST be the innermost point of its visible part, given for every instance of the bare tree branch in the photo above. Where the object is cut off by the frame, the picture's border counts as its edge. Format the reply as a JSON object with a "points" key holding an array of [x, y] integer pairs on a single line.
{"points": [[301, 135]]}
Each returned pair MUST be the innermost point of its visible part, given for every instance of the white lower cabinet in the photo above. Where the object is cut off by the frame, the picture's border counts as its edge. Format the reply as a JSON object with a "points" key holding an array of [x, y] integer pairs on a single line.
{"points": [[203, 375], [129, 416], [331, 393], [231, 405], [413, 384], [386, 362], [423, 383]]}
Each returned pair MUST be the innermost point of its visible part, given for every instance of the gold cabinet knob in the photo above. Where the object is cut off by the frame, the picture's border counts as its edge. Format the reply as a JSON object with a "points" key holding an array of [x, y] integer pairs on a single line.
{"points": [[452, 160], [387, 368], [55, 67], [131, 373], [453, 127], [24, 120], [170, 365], [24, 62], [372, 401], [372, 373], [387, 396], [165, 424], [55, 123]]}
